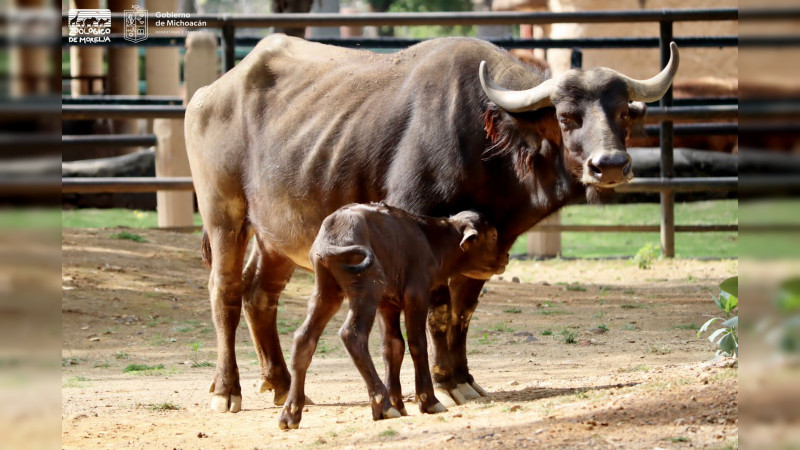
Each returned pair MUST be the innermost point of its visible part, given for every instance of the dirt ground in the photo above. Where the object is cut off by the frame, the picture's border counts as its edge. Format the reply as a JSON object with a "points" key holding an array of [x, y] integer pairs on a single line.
{"points": [[636, 375]]}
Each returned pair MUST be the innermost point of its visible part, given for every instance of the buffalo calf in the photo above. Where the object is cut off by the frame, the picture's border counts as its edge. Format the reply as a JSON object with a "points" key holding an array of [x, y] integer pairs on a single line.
{"points": [[387, 261]]}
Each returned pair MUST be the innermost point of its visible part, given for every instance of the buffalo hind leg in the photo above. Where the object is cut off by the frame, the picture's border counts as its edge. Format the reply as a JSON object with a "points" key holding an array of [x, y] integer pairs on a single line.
{"points": [[448, 322], [265, 277], [225, 287], [393, 349], [324, 302], [355, 336], [415, 306]]}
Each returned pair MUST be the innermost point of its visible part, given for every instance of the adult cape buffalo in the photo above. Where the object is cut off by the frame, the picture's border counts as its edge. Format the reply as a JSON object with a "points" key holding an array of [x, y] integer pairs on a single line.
{"points": [[299, 129]]}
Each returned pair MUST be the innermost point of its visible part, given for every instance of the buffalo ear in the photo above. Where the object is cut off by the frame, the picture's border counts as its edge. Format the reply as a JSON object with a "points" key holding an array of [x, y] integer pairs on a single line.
{"points": [[470, 235], [636, 110]]}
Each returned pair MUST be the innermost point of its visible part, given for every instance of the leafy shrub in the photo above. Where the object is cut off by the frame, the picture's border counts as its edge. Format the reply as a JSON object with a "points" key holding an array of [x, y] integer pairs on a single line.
{"points": [[728, 301], [645, 256]]}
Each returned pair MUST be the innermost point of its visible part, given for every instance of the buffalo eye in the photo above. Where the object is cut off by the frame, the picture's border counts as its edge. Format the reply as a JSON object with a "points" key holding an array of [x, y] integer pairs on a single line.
{"points": [[625, 115], [567, 121]]}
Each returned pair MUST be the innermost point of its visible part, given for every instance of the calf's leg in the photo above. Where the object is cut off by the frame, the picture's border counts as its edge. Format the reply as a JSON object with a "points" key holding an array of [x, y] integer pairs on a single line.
{"points": [[393, 349], [324, 303], [265, 276], [355, 335]]}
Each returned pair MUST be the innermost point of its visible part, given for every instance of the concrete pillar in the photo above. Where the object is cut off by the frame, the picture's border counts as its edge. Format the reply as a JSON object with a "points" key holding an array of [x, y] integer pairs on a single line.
{"points": [[162, 73], [324, 6], [200, 62], [545, 243], [29, 67], [123, 74], [85, 61]]}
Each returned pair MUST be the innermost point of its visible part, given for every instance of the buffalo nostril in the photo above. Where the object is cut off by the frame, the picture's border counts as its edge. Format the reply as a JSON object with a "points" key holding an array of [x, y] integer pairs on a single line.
{"points": [[627, 169], [596, 172]]}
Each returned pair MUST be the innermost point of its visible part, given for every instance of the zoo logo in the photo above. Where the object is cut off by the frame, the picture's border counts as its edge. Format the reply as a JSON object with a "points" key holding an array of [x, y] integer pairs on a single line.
{"points": [[92, 22], [135, 24]]}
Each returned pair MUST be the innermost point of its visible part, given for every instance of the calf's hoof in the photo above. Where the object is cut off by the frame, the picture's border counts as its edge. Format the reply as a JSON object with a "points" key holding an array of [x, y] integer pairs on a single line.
{"points": [[382, 409], [430, 404], [435, 409], [290, 417]]}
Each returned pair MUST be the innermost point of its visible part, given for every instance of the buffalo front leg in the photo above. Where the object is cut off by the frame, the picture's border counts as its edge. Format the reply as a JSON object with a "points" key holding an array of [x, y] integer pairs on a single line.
{"points": [[265, 277], [324, 303], [393, 348], [355, 336], [415, 308], [448, 322], [225, 288]]}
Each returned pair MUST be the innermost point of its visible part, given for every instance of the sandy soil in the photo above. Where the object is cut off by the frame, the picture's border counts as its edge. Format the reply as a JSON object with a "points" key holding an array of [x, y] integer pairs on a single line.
{"points": [[636, 376]]}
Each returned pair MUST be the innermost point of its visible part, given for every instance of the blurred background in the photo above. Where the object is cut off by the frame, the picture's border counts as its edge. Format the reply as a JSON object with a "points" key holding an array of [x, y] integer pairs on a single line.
{"points": [[119, 146]]}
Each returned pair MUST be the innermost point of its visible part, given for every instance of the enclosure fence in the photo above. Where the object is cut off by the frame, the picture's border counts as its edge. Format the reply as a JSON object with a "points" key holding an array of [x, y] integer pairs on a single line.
{"points": [[667, 111]]}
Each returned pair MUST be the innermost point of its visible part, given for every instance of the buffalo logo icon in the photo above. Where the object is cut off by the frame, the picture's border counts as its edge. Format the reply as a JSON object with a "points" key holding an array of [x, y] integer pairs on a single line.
{"points": [[83, 22]]}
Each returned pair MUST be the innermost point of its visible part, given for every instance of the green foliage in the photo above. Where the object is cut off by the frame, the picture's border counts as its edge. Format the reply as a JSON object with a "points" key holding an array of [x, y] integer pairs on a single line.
{"points": [[163, 406], [421, 32], [502, 327], [547, 332], [128, 236], [569, 335], [727, 301], [513, 311], [788, 304], [645, 256], [603, 327], [388, 433], [142, 369]]}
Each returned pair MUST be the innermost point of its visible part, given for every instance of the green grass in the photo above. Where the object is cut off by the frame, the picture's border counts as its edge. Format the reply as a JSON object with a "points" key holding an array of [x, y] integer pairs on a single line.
{"points": [[687, 326], [128, 236], [569, 335], [113, 217], [687, 245], [388, 433], [513, 311], [501, 327], [547, 332], [163, 406]]}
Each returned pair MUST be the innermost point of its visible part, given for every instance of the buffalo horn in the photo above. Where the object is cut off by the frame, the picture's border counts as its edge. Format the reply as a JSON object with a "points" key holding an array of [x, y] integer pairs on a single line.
{"points": [[515, 101], [654, 88]]}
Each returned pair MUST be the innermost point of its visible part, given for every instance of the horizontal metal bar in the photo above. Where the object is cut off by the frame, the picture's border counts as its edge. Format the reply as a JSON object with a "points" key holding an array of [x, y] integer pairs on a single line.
{"points": [[769, 41], [692, 184], [153, 184], [692, 129], [693, 112], [177, 112], [632, 228], [124, 184], [74, 112], [544, 43], [454, 18], [108, 140], [29, 186], [122, 100]]}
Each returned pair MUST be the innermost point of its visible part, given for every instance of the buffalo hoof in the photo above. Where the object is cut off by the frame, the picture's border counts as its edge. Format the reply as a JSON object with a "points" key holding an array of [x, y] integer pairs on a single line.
{"points": [[391, 413], [467, 391], [435, 409], [222, 403], [460, 395], [226, 403], [280, 396]]}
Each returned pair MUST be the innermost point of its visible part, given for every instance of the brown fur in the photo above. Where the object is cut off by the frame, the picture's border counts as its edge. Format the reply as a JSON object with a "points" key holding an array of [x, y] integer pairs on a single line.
{"points": [[404, 257]]}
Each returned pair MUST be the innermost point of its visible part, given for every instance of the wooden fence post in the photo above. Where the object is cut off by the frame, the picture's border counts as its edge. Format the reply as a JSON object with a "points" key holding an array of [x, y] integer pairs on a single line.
{"points": [[162, 72], [123, 74], [545, 243], [85, 61]]}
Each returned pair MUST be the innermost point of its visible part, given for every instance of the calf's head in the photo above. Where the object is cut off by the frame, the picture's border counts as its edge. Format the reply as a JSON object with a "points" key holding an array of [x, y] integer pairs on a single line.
{"points": [[479, 254], [594, 110]]}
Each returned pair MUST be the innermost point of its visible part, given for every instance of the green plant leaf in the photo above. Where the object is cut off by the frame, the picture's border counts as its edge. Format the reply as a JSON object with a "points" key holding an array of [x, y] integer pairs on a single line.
{"points": [[728, 344], [706, 325], [713, 337], [731, 286], [789, 295], [732, 322], [717, 301]]}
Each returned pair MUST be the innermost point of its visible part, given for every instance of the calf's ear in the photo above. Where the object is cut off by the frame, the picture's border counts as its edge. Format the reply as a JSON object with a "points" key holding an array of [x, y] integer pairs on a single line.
{"points": [[470, 235]]}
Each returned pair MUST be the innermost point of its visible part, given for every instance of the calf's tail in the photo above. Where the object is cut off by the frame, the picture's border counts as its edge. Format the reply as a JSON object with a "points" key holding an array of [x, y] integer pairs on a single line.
{"points": [[205, 250], [351, 249]]}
